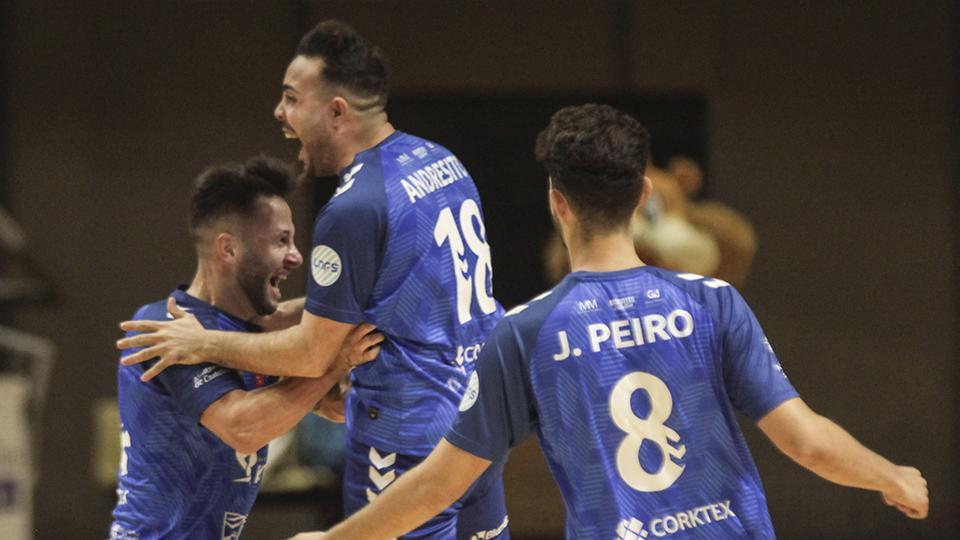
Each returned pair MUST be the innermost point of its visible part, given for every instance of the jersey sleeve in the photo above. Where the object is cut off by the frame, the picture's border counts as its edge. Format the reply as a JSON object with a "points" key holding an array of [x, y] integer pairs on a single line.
{"points": [[193, 388], [344, 261], [497, 410], [754, 379]]}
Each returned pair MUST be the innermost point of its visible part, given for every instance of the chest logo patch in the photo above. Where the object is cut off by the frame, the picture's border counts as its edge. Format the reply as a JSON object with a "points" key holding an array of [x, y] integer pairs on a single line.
{"points": [[325, 265]]}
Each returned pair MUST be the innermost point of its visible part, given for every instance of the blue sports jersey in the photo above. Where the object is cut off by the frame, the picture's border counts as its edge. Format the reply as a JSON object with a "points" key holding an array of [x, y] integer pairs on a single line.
{"points": [[177, 479], [631, 379], [402, 245]]}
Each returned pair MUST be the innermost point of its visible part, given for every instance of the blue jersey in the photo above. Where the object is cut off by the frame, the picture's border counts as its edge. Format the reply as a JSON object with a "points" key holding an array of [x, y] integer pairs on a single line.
{"points": [[402, 245], [631, 379], [177, 479]]}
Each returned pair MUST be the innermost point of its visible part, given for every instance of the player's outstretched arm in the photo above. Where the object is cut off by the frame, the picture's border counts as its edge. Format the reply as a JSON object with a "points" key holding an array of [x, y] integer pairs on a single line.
{"points": [[307, 349], [825, 448], [415, 497], [248, 420]]}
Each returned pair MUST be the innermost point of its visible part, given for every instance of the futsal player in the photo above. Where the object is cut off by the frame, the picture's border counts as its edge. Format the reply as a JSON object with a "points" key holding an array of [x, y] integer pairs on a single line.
{"points": [[402, 245], [194, 438], [631, 376]]}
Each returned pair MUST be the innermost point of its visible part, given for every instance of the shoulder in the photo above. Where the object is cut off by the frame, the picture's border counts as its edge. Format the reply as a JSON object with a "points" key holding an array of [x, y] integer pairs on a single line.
{"points": [[361, 185], [154, 311], [716, 295], [360, 195], [524, 321], [415, 148]]}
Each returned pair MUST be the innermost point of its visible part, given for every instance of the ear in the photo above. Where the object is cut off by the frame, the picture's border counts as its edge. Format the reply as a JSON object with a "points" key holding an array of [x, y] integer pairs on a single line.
{"points": [[226, 247], [338, 109], [558, 204], [645, 193]]}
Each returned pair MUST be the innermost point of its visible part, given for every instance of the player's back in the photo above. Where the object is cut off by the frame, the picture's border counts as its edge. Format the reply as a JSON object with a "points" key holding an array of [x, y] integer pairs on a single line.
{"points": [[432, 291], [177, 479], [633, 374]]}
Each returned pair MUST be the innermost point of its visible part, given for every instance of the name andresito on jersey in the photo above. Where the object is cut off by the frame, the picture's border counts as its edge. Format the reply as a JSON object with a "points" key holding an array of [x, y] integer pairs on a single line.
{"points": [[632, 332], [434, 176]]}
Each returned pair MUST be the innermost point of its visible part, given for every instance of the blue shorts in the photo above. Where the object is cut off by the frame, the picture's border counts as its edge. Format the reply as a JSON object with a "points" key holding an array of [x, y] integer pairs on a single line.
{"points": [[481, 513]]}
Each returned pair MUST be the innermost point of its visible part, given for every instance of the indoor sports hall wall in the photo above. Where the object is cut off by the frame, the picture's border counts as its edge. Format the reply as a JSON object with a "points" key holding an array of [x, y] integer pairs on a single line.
{"points": [[832, 125]]}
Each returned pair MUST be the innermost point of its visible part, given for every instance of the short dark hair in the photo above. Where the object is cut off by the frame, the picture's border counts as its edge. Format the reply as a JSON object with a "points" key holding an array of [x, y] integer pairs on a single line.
{"points": [[596, 156], [233, 189], [350, 60]]}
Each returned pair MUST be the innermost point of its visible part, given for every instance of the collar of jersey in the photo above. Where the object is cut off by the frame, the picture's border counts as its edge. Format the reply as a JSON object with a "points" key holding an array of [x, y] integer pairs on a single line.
{"points": [[396, 133], [616, 274], [194, 304]]}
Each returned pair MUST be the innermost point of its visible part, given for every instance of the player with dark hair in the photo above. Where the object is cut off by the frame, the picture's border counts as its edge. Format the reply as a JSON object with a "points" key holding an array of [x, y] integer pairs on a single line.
{"points": [[194, 438], [630, 375], [402, 245]]}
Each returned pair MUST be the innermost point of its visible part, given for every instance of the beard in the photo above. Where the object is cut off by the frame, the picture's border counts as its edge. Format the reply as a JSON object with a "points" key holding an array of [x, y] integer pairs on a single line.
{"points": [[254, 281], [319, 160], [308, 178]]}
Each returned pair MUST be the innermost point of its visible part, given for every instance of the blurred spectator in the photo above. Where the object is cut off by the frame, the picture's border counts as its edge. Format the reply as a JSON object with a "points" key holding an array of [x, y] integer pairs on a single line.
{"points": [[677, 232]]}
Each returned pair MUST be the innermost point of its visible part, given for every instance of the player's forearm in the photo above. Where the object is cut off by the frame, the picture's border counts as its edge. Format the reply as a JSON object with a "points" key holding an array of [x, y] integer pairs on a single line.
{"points": [[835, 455], [287, 353], [249, 420], [826, 449]]}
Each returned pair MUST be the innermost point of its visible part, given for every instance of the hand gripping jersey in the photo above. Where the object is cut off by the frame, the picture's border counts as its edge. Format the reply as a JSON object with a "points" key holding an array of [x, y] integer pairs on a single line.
{"points": [[402, 245], [631, 379], [176, 478]]}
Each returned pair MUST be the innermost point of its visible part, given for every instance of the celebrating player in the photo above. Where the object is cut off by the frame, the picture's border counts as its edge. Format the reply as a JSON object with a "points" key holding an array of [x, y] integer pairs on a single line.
{"points": [[402, 245], [194, 438], [630, 375]]}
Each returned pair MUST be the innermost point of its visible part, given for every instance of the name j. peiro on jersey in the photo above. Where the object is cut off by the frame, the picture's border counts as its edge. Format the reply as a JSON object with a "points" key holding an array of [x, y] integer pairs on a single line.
{"points": [[632, 332]]}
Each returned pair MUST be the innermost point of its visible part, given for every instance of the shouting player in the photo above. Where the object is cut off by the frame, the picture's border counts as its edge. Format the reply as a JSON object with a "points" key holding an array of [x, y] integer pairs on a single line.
{"points": [[194, 439], [630, 375], [401, 245]]}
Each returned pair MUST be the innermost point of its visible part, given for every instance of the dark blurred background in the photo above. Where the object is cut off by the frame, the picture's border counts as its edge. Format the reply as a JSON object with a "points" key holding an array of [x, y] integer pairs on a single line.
{"points": [[833, 126]]}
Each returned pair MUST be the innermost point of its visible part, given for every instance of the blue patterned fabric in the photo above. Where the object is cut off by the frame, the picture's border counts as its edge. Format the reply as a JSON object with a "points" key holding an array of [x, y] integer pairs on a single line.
{"points": [[402, 245], [631, 380], [480, 514], [176, 478]]}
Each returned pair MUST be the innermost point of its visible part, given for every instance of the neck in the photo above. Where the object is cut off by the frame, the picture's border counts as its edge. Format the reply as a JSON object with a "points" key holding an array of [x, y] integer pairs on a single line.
{"points": [[371, 132], [208, 287], [602, 252]]}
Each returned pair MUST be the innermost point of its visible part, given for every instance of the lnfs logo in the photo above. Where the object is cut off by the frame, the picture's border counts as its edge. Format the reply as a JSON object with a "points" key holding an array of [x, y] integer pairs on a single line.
{"points": [[325, 265]]}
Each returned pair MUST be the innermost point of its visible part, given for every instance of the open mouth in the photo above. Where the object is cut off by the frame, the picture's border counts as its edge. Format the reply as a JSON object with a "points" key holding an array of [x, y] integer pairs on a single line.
{"points": [[275, 284], [290, 134]]}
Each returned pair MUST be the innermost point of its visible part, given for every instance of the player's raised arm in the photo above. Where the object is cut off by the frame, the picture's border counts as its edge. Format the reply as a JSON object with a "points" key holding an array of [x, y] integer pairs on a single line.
{"points": [[823, 447], [307, 349]]}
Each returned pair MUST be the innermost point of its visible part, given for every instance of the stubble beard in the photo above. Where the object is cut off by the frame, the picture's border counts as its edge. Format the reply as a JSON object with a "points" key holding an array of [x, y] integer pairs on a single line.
{"points": [[254, 282]]}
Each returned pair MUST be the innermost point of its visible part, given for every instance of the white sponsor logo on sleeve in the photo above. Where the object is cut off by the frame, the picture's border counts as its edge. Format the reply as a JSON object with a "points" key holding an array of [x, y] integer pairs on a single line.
{"points": [[325, 265], [492, 533], [208, 374], [472, 393]]}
